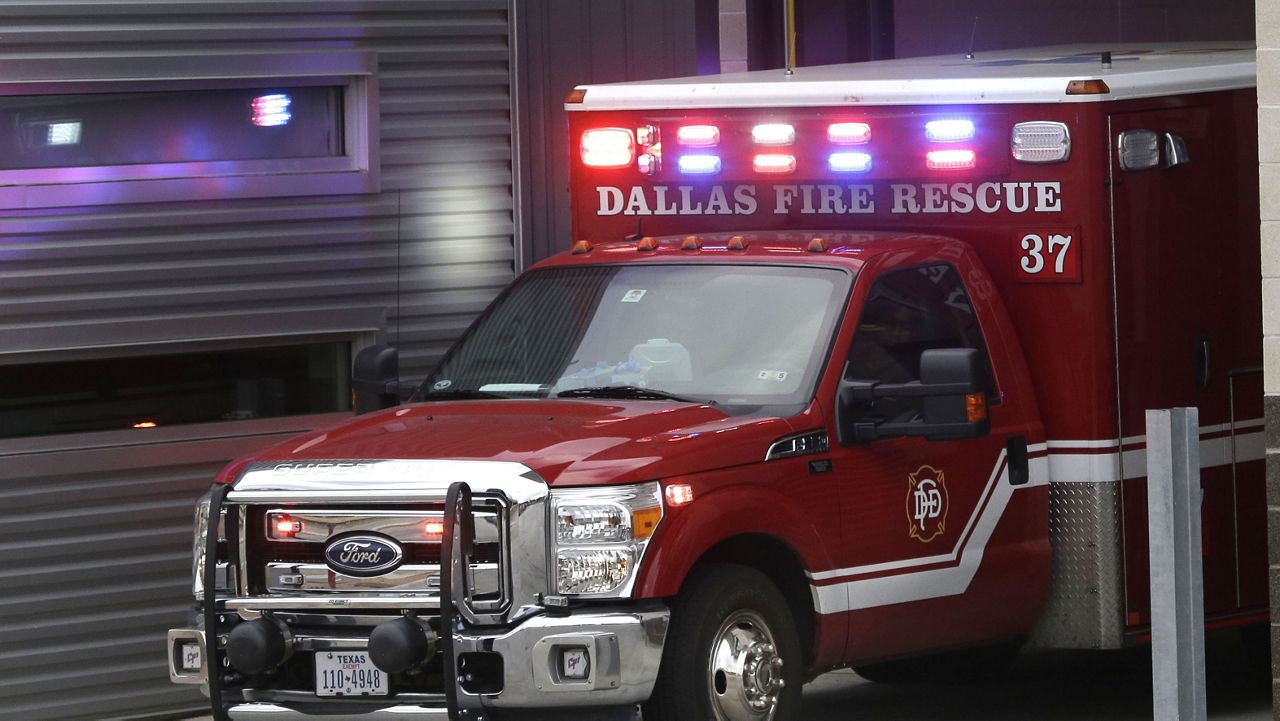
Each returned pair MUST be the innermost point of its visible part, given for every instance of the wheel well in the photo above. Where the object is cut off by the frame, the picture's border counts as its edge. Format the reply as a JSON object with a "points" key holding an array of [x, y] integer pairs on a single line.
{"points": [[781, 564]]}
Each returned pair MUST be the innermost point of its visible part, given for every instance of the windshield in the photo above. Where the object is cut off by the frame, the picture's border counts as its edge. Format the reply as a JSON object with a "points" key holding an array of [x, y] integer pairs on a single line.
{"points": [[736, 335]]}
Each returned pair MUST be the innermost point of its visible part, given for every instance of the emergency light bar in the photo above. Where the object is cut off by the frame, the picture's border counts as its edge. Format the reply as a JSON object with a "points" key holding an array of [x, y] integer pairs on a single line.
{"points": [[849, 133], [698, 136], [950, 159], [608, 148], [773, 163], [950, 130], [812, 146], [1040, 141], [699, 164], [774, 134], [849, 162]]}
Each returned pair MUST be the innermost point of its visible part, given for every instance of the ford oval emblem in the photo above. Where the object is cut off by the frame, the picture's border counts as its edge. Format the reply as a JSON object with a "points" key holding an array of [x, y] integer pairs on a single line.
{"points": [[363, 555]]}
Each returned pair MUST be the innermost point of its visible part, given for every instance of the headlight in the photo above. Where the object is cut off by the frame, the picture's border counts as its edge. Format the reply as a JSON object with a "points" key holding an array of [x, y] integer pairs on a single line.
{"points": [[601, 535], [200, 529]]}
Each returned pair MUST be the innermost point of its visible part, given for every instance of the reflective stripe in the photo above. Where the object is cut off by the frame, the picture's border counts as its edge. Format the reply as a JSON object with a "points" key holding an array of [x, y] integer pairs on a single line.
{"points": [[1088, 461]]}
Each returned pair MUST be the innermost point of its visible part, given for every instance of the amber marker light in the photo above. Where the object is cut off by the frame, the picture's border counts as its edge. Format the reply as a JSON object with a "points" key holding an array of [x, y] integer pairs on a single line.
{"points": [[644, 521], [1087, 87], [145, 424], [647, 244], [976, 407], [433, 530]]}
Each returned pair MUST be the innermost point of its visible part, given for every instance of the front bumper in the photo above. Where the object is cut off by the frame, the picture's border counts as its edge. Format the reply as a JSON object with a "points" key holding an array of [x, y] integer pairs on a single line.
{"points": [[623, 650]]}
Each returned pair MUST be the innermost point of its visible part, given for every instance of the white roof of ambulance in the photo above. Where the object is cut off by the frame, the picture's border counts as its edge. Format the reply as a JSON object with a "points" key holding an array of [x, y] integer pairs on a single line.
{"points": [[1036, 75]]}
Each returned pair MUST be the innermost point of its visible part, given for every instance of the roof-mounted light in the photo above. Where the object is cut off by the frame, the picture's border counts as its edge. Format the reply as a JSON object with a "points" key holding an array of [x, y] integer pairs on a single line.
{"points": [[849, 162], [608, 148], [951, 159], [699, 164], [698, 136], [1040, 141], [950, 130], [774, 134], [849, 133], [773, 163], [1139, 149]]}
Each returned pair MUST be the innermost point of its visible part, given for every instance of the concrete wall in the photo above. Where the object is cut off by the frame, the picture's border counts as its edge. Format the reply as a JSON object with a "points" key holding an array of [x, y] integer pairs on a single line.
{"points": [[1268, 27]]}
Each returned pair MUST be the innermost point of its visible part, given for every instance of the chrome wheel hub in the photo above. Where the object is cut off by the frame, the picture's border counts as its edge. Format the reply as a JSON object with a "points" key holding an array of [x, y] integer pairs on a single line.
{"points": [[744, 670]]}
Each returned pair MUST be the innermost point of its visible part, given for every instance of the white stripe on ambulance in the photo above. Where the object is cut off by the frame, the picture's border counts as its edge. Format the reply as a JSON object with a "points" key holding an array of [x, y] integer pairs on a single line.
{"points": [[831, 199]]}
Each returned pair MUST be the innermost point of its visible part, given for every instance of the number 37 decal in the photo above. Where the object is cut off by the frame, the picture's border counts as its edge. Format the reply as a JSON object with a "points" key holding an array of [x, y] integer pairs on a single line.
{"points": [[1049, 256]]}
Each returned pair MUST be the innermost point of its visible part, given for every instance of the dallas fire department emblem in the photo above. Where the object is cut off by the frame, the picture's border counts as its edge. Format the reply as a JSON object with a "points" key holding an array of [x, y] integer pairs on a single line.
{"points": [[927, 503]]}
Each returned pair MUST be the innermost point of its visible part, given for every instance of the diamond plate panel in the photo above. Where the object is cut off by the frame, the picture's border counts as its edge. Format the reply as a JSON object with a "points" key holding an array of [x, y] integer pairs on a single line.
{"points": [[1085, 608]]}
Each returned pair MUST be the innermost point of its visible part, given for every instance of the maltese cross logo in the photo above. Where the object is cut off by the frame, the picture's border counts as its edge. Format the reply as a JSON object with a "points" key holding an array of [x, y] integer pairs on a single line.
{"points": [[926, 504]]}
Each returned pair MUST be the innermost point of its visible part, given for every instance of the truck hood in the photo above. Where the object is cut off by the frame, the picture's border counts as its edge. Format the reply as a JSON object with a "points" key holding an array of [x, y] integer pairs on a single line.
{"points": [[568, 443]]}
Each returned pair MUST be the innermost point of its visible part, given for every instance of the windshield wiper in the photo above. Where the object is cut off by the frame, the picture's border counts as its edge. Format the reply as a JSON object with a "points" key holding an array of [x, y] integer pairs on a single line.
{"points": [[461, 394], [627, 392]]}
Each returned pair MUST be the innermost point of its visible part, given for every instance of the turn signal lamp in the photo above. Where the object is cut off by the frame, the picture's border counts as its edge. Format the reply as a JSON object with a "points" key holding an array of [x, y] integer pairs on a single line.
{"points": [[849, 162], [698, 136], [976, 407], [644, 521], [949, 131], [678, 494], [699, 164], [950, 159], [774, 134], [283, 526], [774, 163], [849, 133], [433, 529], [608, 148]]}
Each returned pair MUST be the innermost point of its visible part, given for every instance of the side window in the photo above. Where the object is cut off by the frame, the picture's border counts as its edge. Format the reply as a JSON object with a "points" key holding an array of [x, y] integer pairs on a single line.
{"points": [[906, 313]]}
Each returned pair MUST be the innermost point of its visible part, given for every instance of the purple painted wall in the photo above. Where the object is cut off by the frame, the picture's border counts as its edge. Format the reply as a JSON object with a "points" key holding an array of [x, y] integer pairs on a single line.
{"points": [[932, 27]]}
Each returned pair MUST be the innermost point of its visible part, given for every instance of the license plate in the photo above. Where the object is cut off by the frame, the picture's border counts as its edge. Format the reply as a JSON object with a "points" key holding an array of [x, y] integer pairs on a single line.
{"points": [[348, 673], [190, 657]]}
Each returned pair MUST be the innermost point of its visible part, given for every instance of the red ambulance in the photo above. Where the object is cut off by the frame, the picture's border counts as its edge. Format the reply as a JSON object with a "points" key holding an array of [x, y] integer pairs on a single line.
{"points": [[846, 367]]}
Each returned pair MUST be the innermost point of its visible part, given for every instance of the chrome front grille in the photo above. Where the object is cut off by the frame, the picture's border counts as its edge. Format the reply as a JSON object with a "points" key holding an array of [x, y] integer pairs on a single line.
{"points": [[296, 565], [507, 571]]}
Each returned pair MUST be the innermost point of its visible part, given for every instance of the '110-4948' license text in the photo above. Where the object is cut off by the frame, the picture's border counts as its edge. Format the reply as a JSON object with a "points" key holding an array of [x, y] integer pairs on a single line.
{"points": [[347, 673]]}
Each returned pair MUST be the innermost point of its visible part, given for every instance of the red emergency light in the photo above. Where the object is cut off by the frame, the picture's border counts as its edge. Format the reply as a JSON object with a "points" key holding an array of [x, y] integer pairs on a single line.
{"points": [[849, 133], [608, 148], [282, 526], [951, 159], [773, 163], [698, 136]]}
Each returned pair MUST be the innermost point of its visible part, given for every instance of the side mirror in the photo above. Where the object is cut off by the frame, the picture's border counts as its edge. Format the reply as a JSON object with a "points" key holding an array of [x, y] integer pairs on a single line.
{"points": [[955, 402], [375, 379]]}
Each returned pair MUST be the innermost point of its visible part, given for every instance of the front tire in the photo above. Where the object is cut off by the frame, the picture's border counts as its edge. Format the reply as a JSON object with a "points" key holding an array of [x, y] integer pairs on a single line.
{"points": [[732, 652]]}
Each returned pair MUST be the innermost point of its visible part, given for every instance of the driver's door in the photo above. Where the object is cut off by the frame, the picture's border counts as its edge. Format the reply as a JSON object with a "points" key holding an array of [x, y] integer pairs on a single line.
{"points": [[920, 517]]}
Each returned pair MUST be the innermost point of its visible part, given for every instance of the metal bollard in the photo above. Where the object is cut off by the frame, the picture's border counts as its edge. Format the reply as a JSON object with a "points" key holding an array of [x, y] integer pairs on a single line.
{"points": [[1177, 579]]}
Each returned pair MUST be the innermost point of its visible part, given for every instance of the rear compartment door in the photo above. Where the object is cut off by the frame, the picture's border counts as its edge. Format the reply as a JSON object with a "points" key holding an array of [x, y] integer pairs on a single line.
{"points": [[1187, 327]]}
